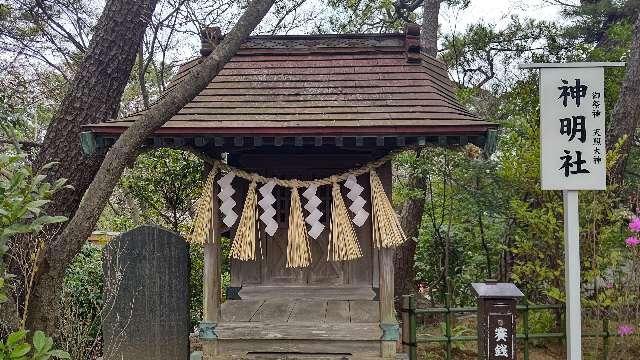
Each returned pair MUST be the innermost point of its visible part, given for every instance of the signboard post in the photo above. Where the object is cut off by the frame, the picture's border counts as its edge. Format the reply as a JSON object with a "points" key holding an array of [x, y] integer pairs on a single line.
{"points": [[572, 158]]}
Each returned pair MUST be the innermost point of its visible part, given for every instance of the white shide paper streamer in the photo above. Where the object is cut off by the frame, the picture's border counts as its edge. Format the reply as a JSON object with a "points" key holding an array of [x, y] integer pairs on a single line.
{"points": [[313, 219], [358, 202], [268, 211], [225, 195]]}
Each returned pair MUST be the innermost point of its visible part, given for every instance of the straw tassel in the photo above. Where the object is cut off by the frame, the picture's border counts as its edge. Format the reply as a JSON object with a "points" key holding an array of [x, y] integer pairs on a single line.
{"points": [[387, 231], [244, 243], [343, 242], [202, 223], [298, 252]]}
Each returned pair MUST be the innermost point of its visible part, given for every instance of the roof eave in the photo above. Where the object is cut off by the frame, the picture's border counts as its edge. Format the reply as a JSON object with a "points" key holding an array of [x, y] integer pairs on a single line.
{"points": [[469, 129]]}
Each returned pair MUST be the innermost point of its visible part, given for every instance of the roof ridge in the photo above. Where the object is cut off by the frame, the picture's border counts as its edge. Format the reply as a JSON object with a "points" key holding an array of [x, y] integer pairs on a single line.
{"points": [[328, 36]]}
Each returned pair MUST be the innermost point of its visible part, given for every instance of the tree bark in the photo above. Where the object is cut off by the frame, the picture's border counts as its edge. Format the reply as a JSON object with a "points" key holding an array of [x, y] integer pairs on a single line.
{"points": [[413, 209], [429, 32], [80, 226], [404, 259], [626, 113], [142, 81], [93, 96]]}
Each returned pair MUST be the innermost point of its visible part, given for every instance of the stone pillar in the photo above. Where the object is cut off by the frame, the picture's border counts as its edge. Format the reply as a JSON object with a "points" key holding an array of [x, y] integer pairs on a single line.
{"points": [[496, 319]]}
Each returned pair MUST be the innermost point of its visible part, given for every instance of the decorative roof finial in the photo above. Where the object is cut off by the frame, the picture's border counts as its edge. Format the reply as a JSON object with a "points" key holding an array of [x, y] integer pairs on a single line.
{"points": [[412, 42]]}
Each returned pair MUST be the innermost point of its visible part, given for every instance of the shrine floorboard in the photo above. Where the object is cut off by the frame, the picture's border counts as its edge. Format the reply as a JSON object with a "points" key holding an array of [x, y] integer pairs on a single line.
{"points": [[299, 329]]}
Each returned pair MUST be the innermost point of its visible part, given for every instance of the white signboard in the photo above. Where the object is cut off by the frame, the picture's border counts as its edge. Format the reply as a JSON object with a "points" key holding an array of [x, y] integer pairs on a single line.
{"points": [[572, 129]]}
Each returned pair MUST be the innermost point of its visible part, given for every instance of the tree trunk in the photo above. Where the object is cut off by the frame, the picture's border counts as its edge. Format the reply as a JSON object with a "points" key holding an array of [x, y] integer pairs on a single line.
{"points": [[413, 209], [404, 259], [429, 32], [93, 96], [626, 113], [80, 226]]}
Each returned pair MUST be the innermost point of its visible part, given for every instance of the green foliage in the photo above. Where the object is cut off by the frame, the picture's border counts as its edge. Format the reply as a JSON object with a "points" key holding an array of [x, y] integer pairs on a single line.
{"points": [[23, 194], [196, 284], [376, 16], [16, 347], [594, 19], [489, 218], [485, 52], [459, 239], [160, 188], [363, 16], [83, 286], [458, 330], [541, 322]]}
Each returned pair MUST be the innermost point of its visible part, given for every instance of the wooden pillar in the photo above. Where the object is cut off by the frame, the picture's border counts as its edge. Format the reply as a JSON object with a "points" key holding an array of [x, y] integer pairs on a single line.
{"points": [[212, 287], [212, 291], [387, 316], [388, 320]]}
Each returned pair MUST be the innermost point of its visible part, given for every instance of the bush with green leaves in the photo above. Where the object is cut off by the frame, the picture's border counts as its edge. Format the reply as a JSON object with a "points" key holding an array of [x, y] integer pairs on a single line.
{"points": [[17, 348], [83, 287], [23, 194]]}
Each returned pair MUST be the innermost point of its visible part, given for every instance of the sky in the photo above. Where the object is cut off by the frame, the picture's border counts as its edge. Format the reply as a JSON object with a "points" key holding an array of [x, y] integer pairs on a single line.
{"points": [[497, 12]]}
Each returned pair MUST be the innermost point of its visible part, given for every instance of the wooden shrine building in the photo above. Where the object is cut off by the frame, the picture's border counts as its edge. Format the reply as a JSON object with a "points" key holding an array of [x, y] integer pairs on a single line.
{"points": [[310, 107]]}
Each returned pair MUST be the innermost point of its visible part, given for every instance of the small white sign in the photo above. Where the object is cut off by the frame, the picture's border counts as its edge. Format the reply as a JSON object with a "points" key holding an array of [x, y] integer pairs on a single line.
{"points": [[572, 129]]}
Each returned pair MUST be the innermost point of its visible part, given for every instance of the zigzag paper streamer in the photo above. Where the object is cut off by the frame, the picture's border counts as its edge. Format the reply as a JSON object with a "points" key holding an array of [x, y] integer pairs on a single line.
{"points": [[313, 219], [358, 202], [225, 195], [268, 211]]}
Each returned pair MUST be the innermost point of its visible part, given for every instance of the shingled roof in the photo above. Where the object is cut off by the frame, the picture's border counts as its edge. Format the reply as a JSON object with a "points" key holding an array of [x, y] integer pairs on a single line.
{"points": [[322, 85]]}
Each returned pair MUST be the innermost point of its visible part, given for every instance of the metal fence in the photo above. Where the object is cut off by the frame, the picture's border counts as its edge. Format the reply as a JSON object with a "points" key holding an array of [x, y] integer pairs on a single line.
{"points": [[410, 338]]}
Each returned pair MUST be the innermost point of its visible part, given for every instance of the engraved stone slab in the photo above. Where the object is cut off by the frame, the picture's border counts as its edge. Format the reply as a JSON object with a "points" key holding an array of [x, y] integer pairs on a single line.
{"points": [[146, 296]]}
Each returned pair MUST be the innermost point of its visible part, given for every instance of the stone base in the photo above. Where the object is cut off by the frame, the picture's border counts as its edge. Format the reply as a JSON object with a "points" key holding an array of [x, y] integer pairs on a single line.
{"points": [[224, 350], [198, 356]]}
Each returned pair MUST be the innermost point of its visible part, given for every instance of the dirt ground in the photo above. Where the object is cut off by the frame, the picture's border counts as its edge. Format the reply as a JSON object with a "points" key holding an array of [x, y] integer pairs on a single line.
{"points": [[468, 352], [620, 349]]}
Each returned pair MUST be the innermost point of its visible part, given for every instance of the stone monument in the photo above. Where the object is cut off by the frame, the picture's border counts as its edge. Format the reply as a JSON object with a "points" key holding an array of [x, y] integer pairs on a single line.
{"points": [[146, 307]]}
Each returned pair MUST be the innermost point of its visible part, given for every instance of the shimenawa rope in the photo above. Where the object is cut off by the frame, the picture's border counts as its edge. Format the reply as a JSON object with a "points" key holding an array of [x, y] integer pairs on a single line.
{"points": [[343, 242]]}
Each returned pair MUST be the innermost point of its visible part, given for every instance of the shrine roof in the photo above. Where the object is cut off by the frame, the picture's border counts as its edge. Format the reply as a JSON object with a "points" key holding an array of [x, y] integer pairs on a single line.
{"points": [[321, 85]]}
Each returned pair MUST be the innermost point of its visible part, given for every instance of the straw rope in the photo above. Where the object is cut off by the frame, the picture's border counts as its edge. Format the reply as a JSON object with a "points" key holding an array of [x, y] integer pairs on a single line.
{"points": [[387, 231], [294, 183], [244, 243], [298, 252], [202, 223], [343, 242]]}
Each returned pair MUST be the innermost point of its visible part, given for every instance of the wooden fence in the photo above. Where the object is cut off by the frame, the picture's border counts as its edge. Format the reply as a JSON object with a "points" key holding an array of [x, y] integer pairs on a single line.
{"points": [[411, 339]]}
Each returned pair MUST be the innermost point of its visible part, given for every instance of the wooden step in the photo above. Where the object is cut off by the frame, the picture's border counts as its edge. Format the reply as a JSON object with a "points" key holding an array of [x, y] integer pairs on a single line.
{"points": [[290, 356], [307, 292], [299, 331]]}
